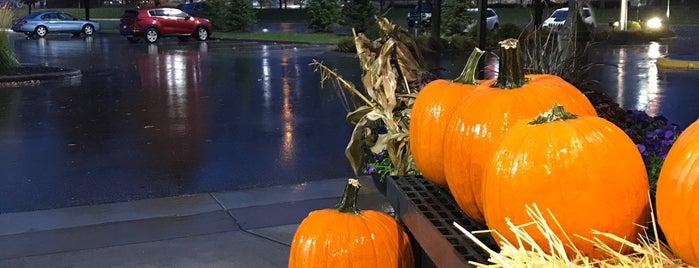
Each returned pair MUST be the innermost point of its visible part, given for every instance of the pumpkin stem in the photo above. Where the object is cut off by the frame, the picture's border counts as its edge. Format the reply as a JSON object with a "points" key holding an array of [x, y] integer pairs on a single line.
{"points": [[511, 70], [557, 113], [348, 202], [468, 74]]}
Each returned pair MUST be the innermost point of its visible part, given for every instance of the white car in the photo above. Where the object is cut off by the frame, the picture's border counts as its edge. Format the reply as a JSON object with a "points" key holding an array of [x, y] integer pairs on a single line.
{"points": [[559, 16], [491, 18]]}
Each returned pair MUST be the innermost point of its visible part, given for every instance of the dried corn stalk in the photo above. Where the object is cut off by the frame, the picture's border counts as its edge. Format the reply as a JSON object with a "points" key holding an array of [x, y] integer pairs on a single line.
{"points": [[392, 73]]}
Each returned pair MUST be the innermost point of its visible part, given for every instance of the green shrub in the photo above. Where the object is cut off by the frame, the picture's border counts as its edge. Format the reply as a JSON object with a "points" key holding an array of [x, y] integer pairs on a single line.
{"points": [[456, 17], [215, 11], [229, 15], [359, 15], [346, 44], [509, 30], [462, 42], [426, 42], [242, 15], [324, 15]]}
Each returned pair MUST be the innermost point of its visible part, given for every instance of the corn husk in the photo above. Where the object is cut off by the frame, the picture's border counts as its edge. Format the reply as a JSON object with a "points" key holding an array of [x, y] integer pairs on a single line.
{"points": [[526, 253]]}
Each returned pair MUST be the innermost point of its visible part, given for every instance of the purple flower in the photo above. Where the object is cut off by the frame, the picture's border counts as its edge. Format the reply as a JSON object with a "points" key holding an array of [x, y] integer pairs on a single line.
{"points": [[379, 155], [641, 148], [669, 134], [370, 169]]}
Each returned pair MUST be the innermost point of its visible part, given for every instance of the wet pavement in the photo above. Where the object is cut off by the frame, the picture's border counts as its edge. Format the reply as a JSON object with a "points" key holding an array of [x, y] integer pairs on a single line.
{"points": [[161, 120], [628, 74], [147, 121]]}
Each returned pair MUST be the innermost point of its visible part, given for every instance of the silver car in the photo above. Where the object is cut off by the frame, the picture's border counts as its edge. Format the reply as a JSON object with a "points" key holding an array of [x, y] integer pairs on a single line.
{"points": [[52, 21]]}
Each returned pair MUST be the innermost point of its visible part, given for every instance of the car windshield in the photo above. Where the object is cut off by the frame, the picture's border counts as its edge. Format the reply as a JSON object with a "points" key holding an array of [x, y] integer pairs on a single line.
{"points": [[425, 8], [560, 14], [490, 13]]}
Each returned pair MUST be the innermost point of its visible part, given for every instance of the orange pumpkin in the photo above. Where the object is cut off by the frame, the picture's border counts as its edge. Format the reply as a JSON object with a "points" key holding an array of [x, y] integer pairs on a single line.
{"points": [[485, 115], [585, 170], [344, 236], [677, 194], [429, 117]]}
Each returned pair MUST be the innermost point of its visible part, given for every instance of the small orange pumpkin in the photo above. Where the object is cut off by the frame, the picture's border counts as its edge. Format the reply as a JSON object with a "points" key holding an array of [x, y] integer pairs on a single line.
{"points": [[344, 236], [486, 114], [677, 195], [585, 170], [430, 115]]}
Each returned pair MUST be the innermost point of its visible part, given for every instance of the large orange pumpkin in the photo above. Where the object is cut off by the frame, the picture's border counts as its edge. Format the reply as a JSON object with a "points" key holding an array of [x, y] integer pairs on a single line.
{"points": [[429, 117], [585, 170], [677, 196], [482, 117], [344, 236]]}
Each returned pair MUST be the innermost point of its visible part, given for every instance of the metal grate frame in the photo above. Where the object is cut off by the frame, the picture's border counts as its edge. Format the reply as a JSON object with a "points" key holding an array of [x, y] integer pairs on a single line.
{"points": [[428, 212]]}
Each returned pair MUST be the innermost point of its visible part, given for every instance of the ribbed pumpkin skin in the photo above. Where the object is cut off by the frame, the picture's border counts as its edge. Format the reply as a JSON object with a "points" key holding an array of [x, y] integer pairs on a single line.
{"points": [[483, 117], [586, 171], [677, 196], [430, 115], [329, 238]]}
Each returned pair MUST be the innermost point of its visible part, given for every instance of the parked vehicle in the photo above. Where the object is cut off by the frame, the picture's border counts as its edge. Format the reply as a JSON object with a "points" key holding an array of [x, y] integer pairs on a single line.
{"points": [[425, 19], [153, 23], [559, 16], [420, 16], [53, 21], [492, 21], [191, 8]]}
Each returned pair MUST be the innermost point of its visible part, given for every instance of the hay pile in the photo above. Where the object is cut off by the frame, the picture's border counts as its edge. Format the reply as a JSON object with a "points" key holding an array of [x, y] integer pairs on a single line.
{"points": [[526, 253]]}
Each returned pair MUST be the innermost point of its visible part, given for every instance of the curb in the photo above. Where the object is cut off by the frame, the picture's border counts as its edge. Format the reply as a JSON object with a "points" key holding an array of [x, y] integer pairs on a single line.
{"points": [[676, 64], [60, 72]]}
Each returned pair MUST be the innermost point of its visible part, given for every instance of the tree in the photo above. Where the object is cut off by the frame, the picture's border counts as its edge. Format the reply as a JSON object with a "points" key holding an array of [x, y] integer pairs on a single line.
{"points": [[229, 15], [242, 14], [457, 17], [360, 15], [29, 4], [324, 15]]}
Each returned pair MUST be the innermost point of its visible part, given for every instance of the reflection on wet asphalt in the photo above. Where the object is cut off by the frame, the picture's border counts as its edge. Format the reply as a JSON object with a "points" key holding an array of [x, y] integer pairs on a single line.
{"points": [[186, 117], [629, 75], [167, 119]]}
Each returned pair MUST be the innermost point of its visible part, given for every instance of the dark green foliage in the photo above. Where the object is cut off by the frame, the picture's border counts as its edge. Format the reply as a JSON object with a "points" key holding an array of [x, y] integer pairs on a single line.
{"points": [[509, 30], [456, 17], [242, 15], [229, 15], [324, 15], [360, 15], [346, 44], [8, 59], [462, 42]]}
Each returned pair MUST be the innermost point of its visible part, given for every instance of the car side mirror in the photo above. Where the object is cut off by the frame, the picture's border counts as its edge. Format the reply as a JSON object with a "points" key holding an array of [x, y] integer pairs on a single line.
{"points": [[187, 17]]}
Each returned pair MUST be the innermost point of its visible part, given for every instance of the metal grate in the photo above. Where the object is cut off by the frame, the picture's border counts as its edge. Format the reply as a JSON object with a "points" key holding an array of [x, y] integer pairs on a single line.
{"points": [[428, 211]]}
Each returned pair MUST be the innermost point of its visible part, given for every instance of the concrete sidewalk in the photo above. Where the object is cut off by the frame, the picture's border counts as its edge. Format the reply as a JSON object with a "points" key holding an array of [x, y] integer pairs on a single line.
{"points": [[251, 228]]}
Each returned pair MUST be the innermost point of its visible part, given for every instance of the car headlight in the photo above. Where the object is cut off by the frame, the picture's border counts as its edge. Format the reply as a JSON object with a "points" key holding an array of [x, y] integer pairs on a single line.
{"points": [[654, 24]]}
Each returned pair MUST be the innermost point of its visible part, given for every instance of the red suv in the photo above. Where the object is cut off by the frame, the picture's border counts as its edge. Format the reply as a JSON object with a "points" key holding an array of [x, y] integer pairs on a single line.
{"points": [[153, 23]]}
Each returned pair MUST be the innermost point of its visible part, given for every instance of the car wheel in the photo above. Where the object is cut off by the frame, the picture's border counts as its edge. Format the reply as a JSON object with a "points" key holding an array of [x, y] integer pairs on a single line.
{"points": [[41, 31], [152, 35], [202, 34], [133, 39], [88, 30]]}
